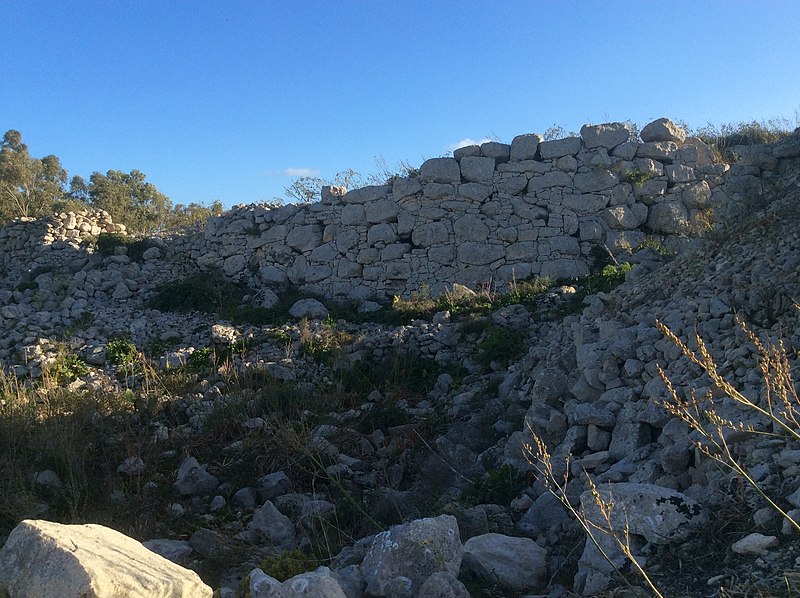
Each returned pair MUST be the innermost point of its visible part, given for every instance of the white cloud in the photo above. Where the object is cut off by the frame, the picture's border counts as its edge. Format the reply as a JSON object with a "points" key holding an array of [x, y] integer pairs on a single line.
{"points": [[298, 172], [465, 142]]}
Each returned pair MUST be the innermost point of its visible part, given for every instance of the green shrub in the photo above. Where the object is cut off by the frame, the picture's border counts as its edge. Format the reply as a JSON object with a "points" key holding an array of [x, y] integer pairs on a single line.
{"points": [[211, 292], [637, 176], [657, 246], [122, 352], [323, 345], [500, 344], [199, 360], [499, 486], [107, 244], [68, 367], [603, 281]]}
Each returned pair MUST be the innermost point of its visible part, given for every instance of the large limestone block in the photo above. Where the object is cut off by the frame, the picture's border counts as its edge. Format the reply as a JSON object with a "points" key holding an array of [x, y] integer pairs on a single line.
{"points": [[42, 559], [663, 129], [383, 210], [608, 135], [625, 217], [367, 194], [651, 513], [477, 191], [476, 169], [478, 254], [595, 180], [441, 170], [560, 269], [305, 238], [524, 147], [429, 234], [517, 564], [405, 187], [585, 203], [555, 178], [467, 150], [500, 152], [663, 151], [410, 553], [559, 147], [353, 215], [470, 228], [670, 216]]}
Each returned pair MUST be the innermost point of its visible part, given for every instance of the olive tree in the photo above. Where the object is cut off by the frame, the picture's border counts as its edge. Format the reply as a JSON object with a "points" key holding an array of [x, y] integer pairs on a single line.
{"points": [[28, 186]]}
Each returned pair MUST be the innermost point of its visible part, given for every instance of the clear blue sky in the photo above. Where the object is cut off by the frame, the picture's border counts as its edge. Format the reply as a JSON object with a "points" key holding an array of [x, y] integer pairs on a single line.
{"points": [[218, 100]]}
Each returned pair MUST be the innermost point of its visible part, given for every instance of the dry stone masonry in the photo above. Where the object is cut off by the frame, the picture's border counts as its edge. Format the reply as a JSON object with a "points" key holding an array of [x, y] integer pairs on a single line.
{"points": [[489, 215]]}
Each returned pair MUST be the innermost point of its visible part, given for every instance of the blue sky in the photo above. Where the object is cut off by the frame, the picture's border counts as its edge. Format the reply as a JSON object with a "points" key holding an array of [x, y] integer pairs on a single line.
{"points": [[222, 100]]}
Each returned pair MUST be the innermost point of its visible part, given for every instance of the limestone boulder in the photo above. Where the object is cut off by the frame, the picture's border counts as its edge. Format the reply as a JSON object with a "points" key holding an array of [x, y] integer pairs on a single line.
{"points": [[309, 308], [193, 479], [652, 513], [476, 169], [406, 555], [499, 152], [524, 147], [319, 584], [43, 559], [559, 147], [517, 564], [270, 527], [663, 129], [608, 135], [670, 216], [441, 170]]}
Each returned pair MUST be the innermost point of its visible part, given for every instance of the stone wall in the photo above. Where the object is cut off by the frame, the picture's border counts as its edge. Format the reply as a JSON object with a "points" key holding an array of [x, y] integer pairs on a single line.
{"points": [[491, 214]]}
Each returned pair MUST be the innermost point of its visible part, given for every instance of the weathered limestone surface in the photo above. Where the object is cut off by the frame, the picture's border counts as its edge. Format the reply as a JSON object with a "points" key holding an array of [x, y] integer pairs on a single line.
{"points": [[42, 559]]}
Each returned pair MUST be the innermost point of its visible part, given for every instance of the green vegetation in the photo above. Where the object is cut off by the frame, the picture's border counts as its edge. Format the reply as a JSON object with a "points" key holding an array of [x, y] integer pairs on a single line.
{"points": [[107, 244], [637, 176], [500, 344], [29, 187], [498, 486], [287, 564], [35, 187], [603, 281], [657, 246], [324, 344], [723, 138], [68, 367], [122, 352]]}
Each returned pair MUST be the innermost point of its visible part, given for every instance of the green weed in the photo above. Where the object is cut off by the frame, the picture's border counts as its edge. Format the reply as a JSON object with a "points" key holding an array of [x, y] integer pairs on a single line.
{"points": [[498, 486], [500, 344]]}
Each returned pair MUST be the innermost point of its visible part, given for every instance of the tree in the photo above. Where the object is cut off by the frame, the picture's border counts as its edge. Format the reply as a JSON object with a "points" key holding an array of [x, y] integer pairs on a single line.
{"points": [[195, 213], [308, 189], [28, 186], [128, 198]]}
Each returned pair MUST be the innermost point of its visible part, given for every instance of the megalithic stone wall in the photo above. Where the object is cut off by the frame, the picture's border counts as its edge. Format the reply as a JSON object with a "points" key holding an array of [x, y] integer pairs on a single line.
{"points": [[490, 214]]}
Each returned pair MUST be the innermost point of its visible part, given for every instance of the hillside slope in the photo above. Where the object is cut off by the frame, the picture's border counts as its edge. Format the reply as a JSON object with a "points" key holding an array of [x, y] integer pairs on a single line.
{"points": [[259, 442]]}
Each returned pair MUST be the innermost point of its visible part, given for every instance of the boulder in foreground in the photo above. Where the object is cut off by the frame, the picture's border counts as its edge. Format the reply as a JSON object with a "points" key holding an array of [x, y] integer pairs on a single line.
{"points": [[42, 559]]}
